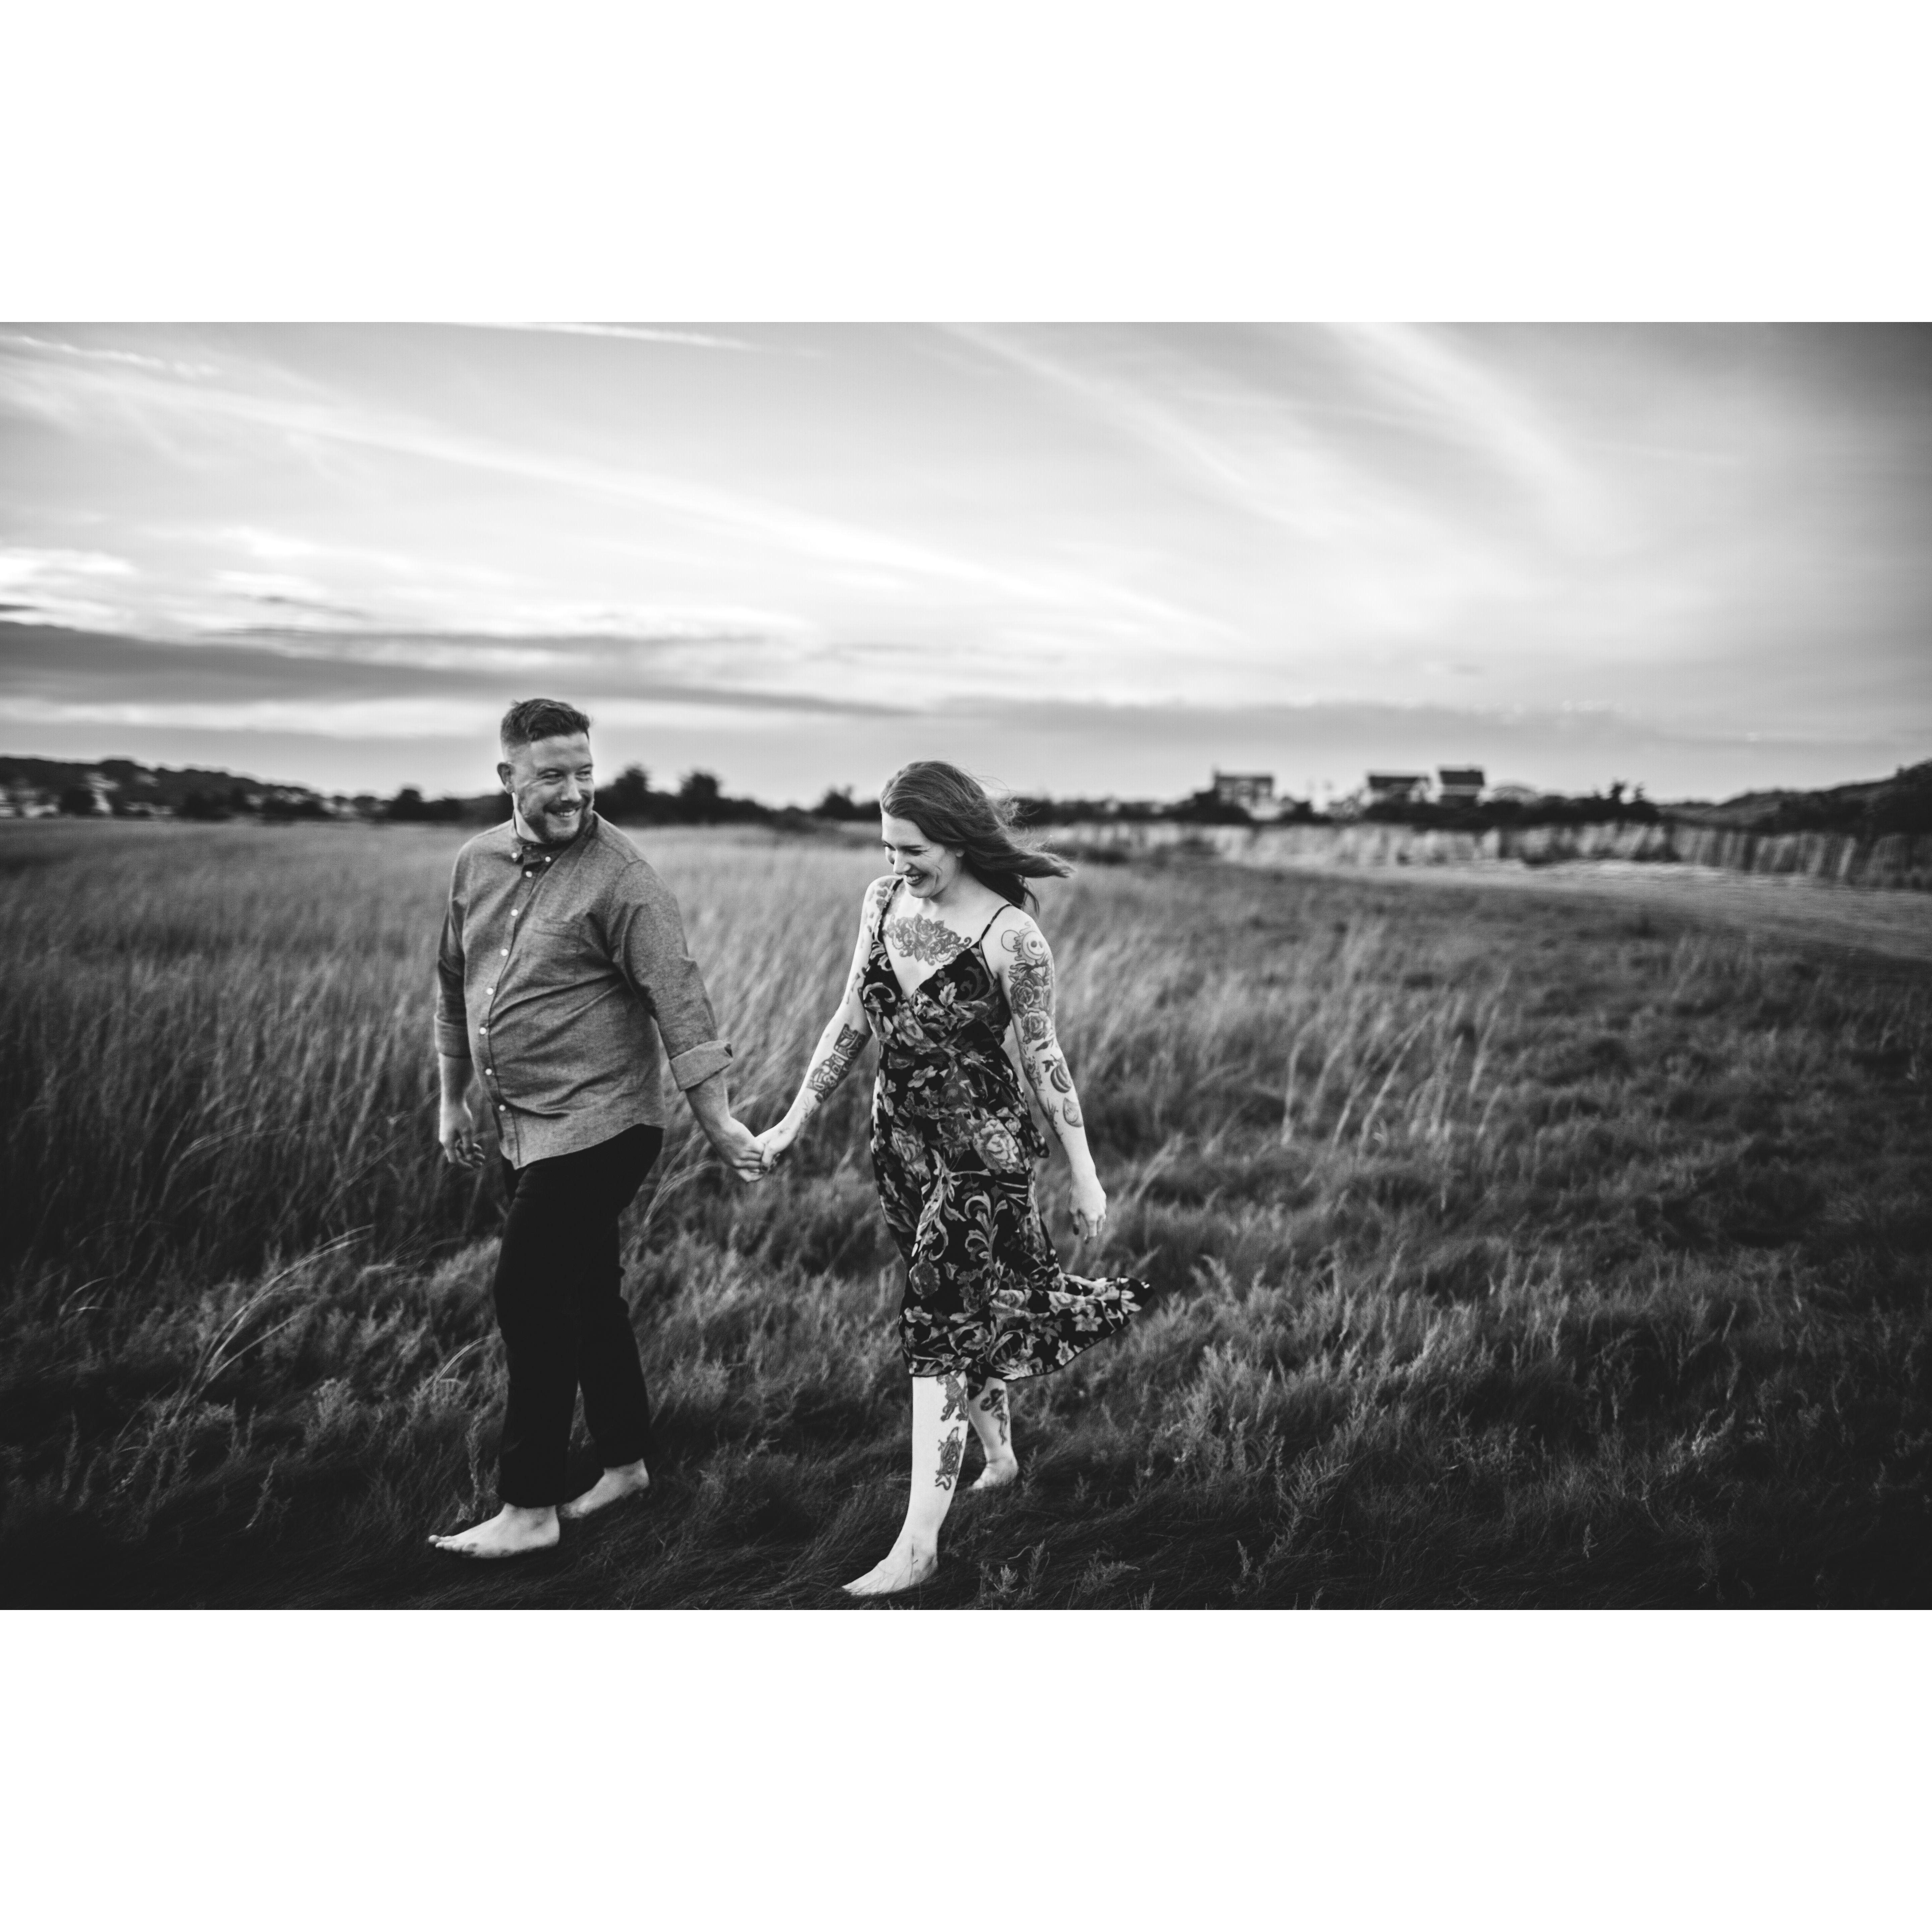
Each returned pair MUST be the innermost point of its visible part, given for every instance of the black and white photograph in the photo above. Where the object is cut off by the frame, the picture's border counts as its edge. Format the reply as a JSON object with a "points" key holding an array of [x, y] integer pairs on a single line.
{"points": [[1079, 966], [1113, 822]]}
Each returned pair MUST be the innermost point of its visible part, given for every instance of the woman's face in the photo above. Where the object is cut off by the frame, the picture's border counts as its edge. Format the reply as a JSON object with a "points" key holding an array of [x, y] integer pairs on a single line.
{"points": [[928, 869]]}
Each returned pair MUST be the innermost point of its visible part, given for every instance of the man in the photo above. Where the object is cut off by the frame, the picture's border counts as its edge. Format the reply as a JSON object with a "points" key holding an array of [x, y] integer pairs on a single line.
{"points": [[563, 966]]}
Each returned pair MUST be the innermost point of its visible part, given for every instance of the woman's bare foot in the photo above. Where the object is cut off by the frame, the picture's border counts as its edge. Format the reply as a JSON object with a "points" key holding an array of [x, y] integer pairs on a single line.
{"points": [[902, 1568], [612, 1487], [511, 1531], [999, 1472]]}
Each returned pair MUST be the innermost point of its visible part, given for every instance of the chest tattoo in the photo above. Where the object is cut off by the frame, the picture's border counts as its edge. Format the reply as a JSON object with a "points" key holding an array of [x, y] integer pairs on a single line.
{"points": [[924, 940]]}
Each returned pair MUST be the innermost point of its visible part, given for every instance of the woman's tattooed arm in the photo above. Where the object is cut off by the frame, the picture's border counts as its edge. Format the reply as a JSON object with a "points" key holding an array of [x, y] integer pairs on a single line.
{"points": [[1029, 978], [830, 1067], [846, 1032]]}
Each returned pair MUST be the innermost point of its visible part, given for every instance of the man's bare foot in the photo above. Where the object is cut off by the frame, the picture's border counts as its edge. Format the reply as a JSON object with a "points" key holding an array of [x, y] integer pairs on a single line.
{"points": [[511, 1531], [902, 1568], [999, 1472], [612, 1487]]}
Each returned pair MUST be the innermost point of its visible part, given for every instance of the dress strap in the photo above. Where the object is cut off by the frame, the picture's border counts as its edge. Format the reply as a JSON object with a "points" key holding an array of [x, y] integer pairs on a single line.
{"points": [[980, 944], [885, 906]]}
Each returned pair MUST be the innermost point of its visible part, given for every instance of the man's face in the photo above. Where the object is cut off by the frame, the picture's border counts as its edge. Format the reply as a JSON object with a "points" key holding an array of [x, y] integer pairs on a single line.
{"points": [[550, 782]]}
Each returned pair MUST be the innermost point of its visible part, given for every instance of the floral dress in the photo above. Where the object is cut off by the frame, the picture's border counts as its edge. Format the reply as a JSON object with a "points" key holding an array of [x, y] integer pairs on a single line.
{"points": [[953, 1142]]}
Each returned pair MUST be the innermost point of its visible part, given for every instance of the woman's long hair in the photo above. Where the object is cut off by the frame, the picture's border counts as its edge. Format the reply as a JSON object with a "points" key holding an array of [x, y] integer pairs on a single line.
{"points": [[951, 808]]}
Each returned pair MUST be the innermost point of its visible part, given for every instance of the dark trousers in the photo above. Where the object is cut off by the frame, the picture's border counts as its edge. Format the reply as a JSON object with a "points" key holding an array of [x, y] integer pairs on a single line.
{"points": [[560, 1306]]}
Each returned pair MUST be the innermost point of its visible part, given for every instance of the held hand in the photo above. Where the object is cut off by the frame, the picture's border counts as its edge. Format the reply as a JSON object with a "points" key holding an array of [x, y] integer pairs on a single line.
{"points": [[456, 1131], [775, 1141], [1089, 1206], [740, 1151]]}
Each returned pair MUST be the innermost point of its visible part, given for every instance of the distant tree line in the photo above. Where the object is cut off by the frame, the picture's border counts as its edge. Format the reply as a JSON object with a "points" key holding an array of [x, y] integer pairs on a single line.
{"points": [[839, 804], [408, 807], [1618, 806], [1200, 808], [631, 799], [1902, 803]]}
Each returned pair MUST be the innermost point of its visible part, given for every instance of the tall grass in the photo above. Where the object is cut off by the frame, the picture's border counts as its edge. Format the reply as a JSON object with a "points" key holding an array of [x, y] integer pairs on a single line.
{"points": [[215, 1042], [1503, 1250]]}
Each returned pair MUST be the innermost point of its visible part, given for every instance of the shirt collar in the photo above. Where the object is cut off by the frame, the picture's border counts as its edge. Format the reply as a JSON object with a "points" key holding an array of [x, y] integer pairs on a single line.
{"points": [[520, 850]]}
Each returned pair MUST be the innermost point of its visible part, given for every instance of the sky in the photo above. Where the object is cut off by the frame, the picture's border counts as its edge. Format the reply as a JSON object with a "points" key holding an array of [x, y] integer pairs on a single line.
{"points": [[1079, 559]]}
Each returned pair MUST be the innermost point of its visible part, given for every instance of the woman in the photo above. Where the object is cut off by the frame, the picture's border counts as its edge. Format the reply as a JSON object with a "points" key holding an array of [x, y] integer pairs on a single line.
{"points": [[948, 959]]}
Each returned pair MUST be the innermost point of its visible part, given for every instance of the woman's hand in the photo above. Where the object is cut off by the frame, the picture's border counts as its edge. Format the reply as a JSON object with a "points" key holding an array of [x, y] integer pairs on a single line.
{"points": [[1089, 1206], [773, 1142]]}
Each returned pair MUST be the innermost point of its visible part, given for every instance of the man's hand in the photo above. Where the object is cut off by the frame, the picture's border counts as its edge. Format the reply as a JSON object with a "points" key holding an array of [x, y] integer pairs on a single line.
{"points": [[710, 1102], [739, 1150], [456, 1130]]}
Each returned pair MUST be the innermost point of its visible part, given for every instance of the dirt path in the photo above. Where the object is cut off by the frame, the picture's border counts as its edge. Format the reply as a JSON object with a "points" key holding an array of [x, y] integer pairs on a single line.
{"points": [[1896, 924]]}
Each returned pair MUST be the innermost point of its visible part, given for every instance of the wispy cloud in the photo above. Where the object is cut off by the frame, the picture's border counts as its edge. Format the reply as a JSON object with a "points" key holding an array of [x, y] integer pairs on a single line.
{"points": [[935, 522], [22, 568], [311, 607], [1371, 554], [740, 515], [127, 358], [72, 586], [623, 331], [279, 546], [1427, 368], [87, 674], [1267, 467]]}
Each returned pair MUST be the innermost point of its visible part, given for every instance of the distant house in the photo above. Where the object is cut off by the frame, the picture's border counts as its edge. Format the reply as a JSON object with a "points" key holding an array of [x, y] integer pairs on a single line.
{"points": [[1246, 789], [1398, 787], [26, 801], [1514, 794], [1458, 785]]}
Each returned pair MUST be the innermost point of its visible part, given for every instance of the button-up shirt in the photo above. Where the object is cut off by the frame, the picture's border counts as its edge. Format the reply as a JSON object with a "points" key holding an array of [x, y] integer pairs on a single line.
{"points": [[560, 969]]}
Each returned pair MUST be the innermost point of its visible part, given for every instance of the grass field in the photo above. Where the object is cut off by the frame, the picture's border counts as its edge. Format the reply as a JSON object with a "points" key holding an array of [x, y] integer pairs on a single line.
{"points": [[1507, 1249]]}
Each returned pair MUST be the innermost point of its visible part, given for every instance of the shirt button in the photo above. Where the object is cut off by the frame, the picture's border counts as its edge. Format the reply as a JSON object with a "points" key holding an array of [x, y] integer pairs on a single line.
{"points": [[505, 951], [490, 1069]]}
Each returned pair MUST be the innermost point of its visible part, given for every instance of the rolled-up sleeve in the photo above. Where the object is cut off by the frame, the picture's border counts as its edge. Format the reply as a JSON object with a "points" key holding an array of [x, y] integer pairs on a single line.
{"points": [[646, 937], [452, 1024]]}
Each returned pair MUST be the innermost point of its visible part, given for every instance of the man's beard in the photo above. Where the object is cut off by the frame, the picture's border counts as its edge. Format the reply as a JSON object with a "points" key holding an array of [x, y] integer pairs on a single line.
{"points": [[551, 830]]}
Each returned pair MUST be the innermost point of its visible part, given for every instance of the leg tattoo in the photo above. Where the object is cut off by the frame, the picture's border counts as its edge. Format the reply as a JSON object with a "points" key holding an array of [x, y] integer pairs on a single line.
{"points": [[993, 1404], [990, 1423], [950, 1452]]}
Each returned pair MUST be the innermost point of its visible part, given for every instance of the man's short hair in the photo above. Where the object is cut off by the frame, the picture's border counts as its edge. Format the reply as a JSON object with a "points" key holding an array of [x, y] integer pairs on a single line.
{"points": [[530, 718]]}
